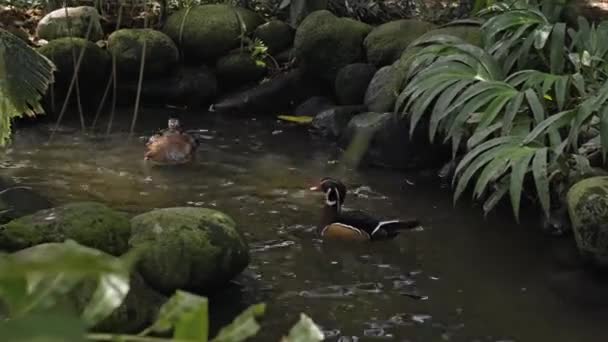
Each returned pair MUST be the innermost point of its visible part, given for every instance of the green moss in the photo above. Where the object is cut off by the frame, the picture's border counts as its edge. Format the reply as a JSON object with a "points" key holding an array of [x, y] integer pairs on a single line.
{"points": [[188, 248], [588, 210], [127, 44], [469, 33], [208, 31], [88, 223], [238, 68], [352, 81], [276, 34], [386, 42], [325, 43], [94, 67]]}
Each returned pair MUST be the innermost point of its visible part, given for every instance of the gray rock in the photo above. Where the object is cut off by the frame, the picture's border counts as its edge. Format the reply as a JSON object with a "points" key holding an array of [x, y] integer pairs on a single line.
{"points": [[333, 121], [55, 24], [390, 144], [276, 35], [352, 82], [313, 106], [276, 96], [17, 201]]}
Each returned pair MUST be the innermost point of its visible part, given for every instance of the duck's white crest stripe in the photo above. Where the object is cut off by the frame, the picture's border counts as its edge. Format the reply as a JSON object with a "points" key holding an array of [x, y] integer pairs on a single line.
{"points": [[382, 223], [357, 230]]}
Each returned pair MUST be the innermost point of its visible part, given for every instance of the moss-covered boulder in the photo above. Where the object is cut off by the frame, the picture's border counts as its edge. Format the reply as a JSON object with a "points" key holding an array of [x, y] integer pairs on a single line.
{"points": [[238, 68], [208, 32], [352, 81], [386, 42], [588, 210], [161, 52], [196, 249], [469, 33], [18, 201], [94, 68], [276, 34], [55, 24], [381, 92], [325, 43], [89, 223]]}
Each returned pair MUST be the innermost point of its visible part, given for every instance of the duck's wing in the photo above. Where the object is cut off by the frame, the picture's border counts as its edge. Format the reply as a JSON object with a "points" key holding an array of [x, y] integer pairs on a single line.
{"points": [[375, 227]]}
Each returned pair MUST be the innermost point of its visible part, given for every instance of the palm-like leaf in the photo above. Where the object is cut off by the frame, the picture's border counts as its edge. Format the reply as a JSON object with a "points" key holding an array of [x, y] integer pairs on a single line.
{"points": [[24, 76]]}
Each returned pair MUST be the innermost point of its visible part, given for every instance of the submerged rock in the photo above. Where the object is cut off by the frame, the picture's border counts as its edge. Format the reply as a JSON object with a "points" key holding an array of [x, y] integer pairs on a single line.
{"points": [[352, 81], [16, 201], [276, 35], [588, 209], [386, 42], [333, 121], [276, 96], [94, 68], [390, 144], [209, 31], [55, 24], [89, 223], [238, 68], [325, 43], [196, 249], [313, 106], [127, 44]]}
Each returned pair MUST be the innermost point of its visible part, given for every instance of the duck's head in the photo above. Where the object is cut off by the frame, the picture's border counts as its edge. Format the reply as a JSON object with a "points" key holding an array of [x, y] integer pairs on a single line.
{"points": [[173, 123], [334, 190]]}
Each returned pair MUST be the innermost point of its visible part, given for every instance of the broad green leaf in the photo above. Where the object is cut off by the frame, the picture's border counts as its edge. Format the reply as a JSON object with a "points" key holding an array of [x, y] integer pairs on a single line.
{"points": [[493, 170], [541, 180], [193, 325], [541, 36], [481, 135], [55, 327], [243, 326], [423, 102], [440, 109], [558, 41], [52, 270], [304, 331], [491, 112], [519, 168], [25, 76], [480, 149], [561, 91], [173, 311]]}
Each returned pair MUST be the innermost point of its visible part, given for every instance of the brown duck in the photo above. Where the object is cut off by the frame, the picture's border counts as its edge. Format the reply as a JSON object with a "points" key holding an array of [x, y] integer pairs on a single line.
{"points": [[338, 223], [171, 146]]}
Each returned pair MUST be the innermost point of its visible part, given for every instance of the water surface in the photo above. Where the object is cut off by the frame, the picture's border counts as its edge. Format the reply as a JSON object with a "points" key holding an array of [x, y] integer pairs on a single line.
{"points": [[460, 278]]}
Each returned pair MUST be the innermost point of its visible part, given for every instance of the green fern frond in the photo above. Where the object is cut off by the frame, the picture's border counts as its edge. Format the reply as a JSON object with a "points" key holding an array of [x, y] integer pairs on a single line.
{"points": [[25, 75]]}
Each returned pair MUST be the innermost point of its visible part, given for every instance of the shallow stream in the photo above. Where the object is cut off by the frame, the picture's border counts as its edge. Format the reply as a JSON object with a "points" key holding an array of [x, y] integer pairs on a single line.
{"points": [[460, 278]]}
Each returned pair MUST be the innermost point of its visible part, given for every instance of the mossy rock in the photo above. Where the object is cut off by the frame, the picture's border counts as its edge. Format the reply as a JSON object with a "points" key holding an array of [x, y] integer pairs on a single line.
{"points": [[161, 51], [238, 68], [195, 249], [89, 223], [94, 68], [381, 92], [469, 33], [352, 81], [325, 43], [56, 25], [209, 31], [588, 210], [386, 42], [276, 35]]}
